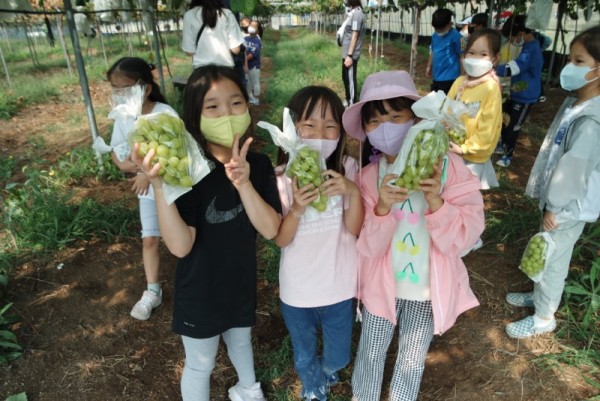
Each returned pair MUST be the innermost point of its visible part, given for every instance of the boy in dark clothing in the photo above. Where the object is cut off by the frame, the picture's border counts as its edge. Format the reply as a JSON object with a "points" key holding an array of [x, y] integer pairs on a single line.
{"points": [[525, 83]]}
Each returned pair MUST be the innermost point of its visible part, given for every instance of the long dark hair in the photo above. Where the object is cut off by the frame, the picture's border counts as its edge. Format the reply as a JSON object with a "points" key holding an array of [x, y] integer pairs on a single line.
{"points": [[590, 40], [303, 104], [211, 10], [368, 111], [199, 83], [137, 69]]}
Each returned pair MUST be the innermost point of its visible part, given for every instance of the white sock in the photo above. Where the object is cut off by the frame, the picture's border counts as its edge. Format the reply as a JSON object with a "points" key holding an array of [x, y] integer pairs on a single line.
{"points": [[155, 289], [540, 322]]}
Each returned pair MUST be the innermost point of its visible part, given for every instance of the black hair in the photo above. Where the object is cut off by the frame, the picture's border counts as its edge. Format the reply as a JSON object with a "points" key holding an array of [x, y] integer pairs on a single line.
{"points": [[199, 83], [302, 105], [259, 29], [137, 69], [480, 19], [211, 9], [368, 111], [493, 37], [590, 40], [514, 25], [245, 19], [354, 3], [441, 18]]}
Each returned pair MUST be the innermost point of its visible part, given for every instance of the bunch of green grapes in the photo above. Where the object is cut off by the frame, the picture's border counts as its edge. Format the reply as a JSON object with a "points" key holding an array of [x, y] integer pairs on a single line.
{"points": [[457, 136], [424, 154], [166, 135], [307, 168], [534, 257]]}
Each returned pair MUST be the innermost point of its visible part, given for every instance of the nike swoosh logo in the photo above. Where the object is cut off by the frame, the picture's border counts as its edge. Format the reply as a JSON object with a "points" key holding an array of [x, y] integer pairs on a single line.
{"points": [[214, 216]]}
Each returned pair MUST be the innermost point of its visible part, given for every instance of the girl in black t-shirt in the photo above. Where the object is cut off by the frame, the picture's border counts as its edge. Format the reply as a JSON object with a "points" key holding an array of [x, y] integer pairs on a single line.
{"points": [[212, 229]]}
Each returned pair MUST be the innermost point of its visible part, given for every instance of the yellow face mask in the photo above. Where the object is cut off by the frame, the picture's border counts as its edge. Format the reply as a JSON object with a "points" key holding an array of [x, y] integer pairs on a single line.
{"points": [[222, 130]]}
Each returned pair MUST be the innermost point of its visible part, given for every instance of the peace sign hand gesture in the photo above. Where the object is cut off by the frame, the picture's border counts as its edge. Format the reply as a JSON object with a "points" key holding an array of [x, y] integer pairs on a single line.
{"points": [[238, 169]]}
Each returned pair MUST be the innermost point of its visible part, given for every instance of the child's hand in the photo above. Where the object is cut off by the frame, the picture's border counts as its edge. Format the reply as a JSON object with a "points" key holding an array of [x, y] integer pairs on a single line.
{"points": [[151, 172], [549, 221], [428, 71], [140, 184], [389, 195], [337, 184], [431, 188], [238, 169], [454, 148], [303, 196]]}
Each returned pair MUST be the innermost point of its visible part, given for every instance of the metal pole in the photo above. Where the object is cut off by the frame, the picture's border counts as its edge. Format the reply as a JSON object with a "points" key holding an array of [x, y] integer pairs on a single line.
{"points": [[5, 69], [378, 29], [63, 44], [83, 81], [156, 46]]}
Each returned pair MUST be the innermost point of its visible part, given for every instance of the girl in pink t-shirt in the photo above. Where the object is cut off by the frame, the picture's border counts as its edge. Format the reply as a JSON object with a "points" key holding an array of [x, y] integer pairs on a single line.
{"points": [[318, 266]]}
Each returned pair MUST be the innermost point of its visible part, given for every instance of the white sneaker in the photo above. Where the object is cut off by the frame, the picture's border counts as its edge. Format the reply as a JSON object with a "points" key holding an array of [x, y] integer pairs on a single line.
{"points": [[239, 393], [143, 308]]}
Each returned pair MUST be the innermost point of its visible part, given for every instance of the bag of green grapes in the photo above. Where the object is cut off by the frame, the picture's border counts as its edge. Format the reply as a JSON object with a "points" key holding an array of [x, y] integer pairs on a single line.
{"points": [[182, 162], [304, 162], [425, 144], [537, 253], [452, 112]]}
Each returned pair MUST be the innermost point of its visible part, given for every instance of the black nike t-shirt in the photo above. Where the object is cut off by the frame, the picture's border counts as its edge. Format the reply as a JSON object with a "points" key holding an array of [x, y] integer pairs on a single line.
{"points": [[215, 284]]}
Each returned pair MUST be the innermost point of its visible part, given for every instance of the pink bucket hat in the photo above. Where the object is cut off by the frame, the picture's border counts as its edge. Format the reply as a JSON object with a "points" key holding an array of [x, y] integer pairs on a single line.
{"points": [[378, 86]]}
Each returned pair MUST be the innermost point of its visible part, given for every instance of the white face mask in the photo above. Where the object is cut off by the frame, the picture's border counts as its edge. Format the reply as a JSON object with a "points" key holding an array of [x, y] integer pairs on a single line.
{"points": [[251, 30], [572, 77], [389, 137], [325, 147], [476, 67]]}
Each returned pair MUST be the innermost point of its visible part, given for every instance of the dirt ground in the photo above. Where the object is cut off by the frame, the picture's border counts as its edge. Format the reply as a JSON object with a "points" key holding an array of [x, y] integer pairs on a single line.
{"points": [[81, 344]]}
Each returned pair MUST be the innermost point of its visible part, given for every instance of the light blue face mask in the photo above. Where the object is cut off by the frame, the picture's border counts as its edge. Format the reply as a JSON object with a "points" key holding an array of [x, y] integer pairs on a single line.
{"points": [[572, 77]]}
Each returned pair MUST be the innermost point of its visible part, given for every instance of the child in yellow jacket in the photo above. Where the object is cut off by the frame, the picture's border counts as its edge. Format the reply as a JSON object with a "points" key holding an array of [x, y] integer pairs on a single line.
{"points": [[479, 89]]}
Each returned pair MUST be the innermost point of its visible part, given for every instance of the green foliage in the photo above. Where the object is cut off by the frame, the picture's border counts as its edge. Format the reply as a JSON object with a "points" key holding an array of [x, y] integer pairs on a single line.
{"points": [[276, 363], [7, 164], [9, 347], [17, 397], [244, 6], [268, 261]]}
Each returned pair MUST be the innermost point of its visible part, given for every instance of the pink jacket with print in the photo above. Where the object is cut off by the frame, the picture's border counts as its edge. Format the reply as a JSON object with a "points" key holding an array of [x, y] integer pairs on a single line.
{"points": [[453, 228]]}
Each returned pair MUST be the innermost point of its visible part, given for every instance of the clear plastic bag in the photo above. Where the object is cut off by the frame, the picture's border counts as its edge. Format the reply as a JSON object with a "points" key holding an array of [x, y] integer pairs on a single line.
{"points": [[425, 144], [182, 163], [536, 255], [304, 162], [452, 112]]}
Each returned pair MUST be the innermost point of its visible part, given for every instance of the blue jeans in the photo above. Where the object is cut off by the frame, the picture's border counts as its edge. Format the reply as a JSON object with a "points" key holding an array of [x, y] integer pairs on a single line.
{"points": [[318, 373]]}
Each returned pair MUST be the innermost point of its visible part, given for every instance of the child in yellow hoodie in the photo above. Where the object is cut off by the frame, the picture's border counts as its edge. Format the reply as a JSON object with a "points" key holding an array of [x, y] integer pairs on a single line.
{"points": [[480, 90]]}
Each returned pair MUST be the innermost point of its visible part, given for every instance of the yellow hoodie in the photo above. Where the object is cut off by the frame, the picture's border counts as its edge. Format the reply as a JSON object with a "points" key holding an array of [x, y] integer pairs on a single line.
{"points": [[483, 130]]}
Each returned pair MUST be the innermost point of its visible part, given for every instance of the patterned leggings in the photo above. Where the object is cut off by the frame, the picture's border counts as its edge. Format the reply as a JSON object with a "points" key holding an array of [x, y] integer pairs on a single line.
{"points": [[415, 325]]}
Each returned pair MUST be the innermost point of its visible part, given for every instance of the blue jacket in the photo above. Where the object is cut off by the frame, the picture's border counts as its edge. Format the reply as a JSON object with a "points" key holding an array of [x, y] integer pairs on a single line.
{"points": [[526, 84], [446, 51]]}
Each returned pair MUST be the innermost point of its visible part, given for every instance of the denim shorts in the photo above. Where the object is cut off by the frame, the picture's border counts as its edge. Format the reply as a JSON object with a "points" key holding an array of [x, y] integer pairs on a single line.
{"points": [[149, 218]]}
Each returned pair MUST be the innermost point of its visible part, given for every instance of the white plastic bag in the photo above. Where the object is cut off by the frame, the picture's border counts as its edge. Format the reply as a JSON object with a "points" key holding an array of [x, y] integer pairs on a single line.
{"points": [[425, 143], [537, 253], [303, 162], [538, 15]]}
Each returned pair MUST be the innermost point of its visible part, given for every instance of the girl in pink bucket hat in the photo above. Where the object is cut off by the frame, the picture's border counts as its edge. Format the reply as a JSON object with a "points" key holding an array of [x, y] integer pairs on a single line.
{"points": [[411, 274]]}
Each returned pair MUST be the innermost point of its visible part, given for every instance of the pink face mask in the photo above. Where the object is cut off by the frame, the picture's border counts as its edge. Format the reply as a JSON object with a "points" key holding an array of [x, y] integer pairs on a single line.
{"points": [[389, 137], [325, 147]]}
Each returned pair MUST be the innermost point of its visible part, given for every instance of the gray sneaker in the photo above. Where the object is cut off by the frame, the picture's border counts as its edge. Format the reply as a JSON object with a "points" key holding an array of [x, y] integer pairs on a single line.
{"points": [[526, 328], [520, 299]]}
